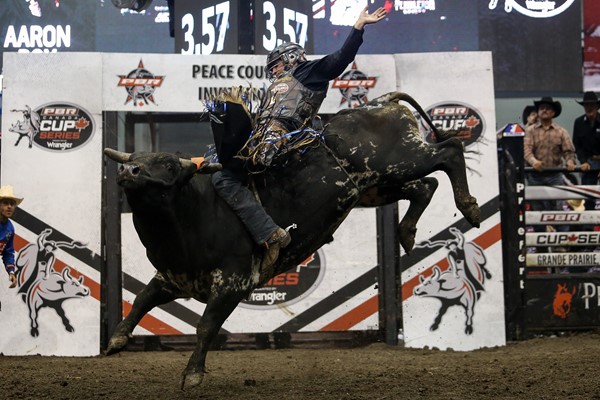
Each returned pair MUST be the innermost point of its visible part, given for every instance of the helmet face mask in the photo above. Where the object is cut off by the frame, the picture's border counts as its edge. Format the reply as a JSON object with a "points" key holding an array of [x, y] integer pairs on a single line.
{"points": [[289, 54]]}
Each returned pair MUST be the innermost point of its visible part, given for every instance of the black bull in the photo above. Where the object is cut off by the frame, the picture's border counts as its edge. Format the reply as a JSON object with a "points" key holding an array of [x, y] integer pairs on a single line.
{"points": [[200, 248]]}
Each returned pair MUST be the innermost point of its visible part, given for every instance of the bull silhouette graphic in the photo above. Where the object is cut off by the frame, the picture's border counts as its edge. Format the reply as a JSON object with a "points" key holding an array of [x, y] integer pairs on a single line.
{"points": [[42, 286], [29, 127], [461, 284]]}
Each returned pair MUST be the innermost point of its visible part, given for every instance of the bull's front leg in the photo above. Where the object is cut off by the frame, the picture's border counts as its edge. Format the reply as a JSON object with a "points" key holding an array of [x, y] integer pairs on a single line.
{"points": [[157, 292], [440, 314], [64, 319], [452, 162], [218, 309]]}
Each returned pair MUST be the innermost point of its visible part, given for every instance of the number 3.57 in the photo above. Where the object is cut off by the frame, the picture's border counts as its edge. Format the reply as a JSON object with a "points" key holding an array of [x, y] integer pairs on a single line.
{"points": [[214, 20]]}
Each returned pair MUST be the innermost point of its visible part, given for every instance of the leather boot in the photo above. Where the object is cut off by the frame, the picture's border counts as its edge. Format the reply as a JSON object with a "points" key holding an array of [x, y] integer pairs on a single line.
{"points": [[278, 240]]}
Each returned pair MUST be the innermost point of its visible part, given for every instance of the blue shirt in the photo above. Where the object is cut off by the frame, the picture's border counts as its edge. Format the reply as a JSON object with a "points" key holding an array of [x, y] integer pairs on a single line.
{"points": [[7, 247]]}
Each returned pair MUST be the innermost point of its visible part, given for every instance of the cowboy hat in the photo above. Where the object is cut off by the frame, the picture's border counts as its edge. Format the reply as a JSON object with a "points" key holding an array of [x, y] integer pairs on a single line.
{"points": [[576, 205], [548, 100], [589, 97], [7, 192]]}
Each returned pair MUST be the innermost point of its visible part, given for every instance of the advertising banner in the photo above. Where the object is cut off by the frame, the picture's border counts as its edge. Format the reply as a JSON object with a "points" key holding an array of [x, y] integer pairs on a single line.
{"points": [[52, 156], [452, 283], [172, 83], [334, 289], [563, 302]]}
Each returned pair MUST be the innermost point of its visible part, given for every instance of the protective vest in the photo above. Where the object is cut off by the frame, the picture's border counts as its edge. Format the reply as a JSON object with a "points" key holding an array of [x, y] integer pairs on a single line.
{"points": [[290, 100]]}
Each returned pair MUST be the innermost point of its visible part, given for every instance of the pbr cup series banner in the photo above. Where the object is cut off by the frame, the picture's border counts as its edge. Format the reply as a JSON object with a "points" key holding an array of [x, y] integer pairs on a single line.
{"points": [[52, 156], [452, 285]]}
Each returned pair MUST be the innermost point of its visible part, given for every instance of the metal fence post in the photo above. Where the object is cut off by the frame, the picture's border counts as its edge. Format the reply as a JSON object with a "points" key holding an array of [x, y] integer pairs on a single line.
{"points": [[512, 215], [111, 283], [388, 258]]}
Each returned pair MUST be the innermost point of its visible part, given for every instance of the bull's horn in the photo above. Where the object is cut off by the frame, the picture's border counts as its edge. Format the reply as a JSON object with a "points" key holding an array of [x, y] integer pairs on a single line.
{"points": [[117, 156]]}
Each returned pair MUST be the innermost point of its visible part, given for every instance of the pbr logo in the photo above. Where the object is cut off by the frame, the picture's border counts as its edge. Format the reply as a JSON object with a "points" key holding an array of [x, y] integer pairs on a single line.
{"points": [[54, 126], [462, 120], [534, 8], [289, 287], [561, 306], [354, 86], [140, 85], [552, 217]]}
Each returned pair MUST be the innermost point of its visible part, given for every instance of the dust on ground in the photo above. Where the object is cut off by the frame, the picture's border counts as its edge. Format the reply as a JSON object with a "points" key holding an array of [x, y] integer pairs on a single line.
{"points": [[542, 368]]}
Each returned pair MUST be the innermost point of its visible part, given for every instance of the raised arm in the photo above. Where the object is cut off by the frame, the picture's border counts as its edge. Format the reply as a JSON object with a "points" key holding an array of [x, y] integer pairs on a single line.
{"points": [[365, 18]]}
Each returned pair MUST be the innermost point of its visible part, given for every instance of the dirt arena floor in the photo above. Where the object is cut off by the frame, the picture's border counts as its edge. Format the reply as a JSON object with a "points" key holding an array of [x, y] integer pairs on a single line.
{"points": [[563, 368]]}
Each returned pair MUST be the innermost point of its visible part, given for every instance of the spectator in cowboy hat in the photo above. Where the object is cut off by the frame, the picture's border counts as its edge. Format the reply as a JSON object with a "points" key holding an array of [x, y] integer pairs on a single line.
{"points": [[547, 145], [586, 138], [8, 205]]}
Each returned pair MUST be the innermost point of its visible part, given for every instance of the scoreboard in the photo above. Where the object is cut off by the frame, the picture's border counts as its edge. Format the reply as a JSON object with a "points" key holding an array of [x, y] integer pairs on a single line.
{"points": [[220, 27], [277, 22]]}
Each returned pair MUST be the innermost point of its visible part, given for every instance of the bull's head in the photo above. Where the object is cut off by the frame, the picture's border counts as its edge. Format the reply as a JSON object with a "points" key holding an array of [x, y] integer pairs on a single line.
{"points": [[163, 169], [73, 287], [19, 127], [429, 286]]}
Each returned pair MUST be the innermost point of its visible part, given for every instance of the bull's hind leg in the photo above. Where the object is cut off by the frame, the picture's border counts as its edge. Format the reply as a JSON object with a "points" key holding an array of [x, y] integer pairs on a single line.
{"points": [[418, 192], [157, 292], [451, 160]]}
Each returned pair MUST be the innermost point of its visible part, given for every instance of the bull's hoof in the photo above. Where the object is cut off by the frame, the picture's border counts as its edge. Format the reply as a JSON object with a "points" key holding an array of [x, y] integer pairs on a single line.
{"points": [[191, 379], [406, 236], [116, 344], [472, 212]]}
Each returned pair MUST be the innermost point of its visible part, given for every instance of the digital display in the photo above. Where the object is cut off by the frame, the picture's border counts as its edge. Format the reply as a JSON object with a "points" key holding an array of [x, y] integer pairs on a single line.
{"points": [[533, 52], [409, 27], [277, 22], [535, 43], [206, 27], [126, 31], [50, 26], [47, 26]]}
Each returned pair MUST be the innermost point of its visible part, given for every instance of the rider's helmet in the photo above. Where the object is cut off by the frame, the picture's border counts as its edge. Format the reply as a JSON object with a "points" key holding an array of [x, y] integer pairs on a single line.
{"points": [[289, 54]]}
